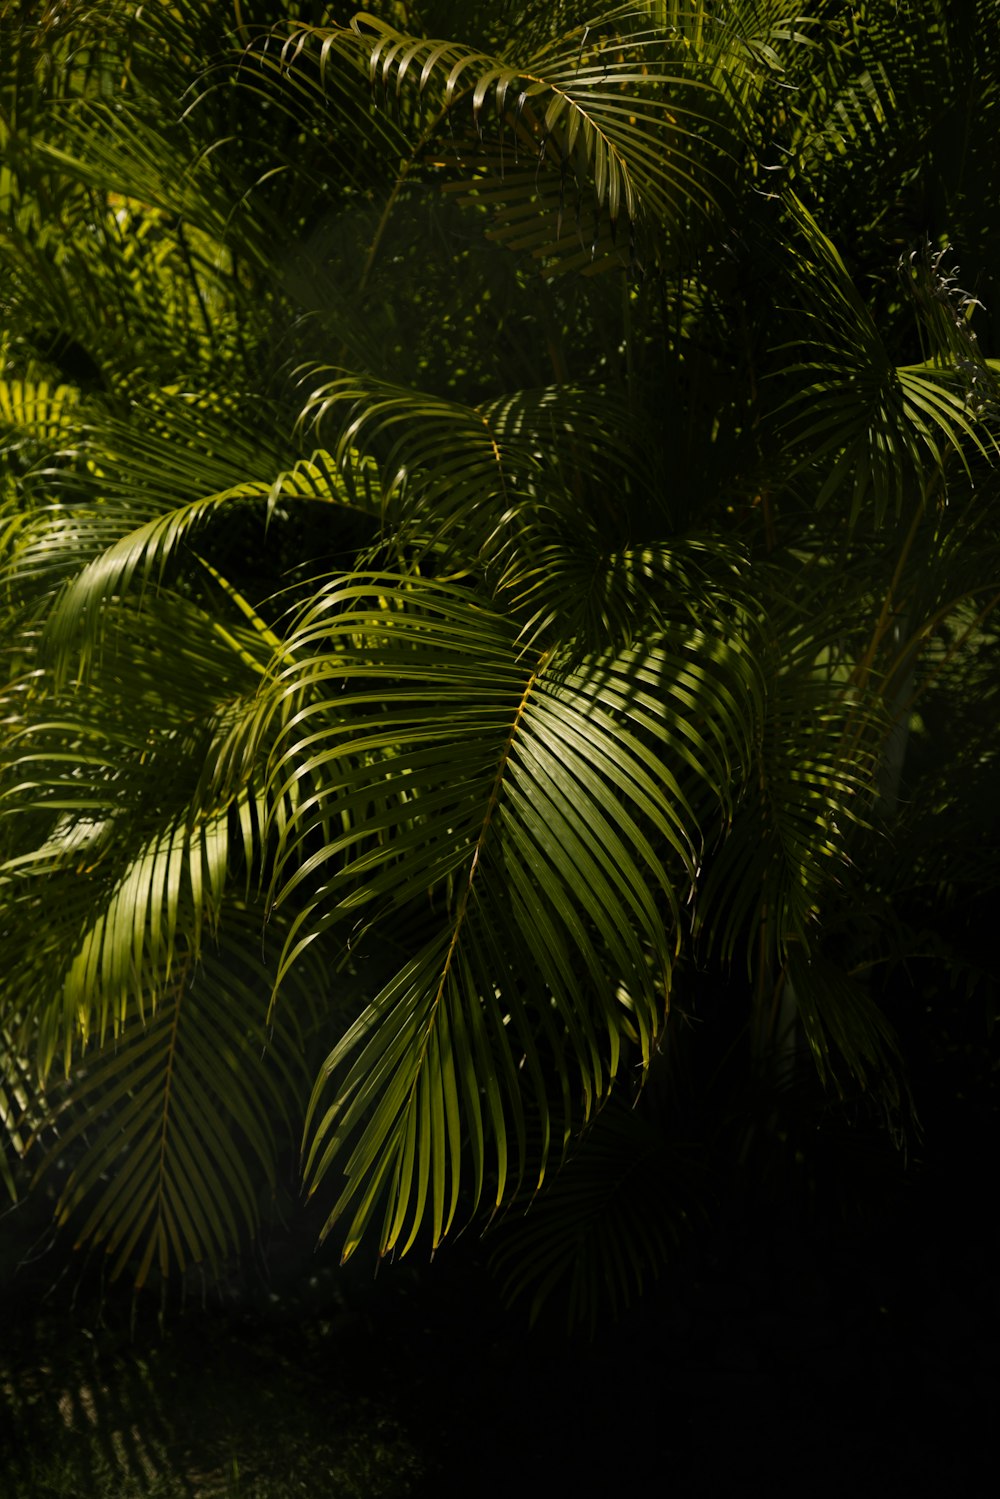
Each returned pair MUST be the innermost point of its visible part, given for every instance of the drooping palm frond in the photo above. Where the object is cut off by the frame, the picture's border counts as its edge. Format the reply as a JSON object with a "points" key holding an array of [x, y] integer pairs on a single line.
{"points": [[20, 1112], [843, 1025], [36, 418], [142, 557], [157, 300], [895, 87], [125, 810], [447, 760], [567, 582], [130, 842], [89, 509], [182, 1115], [812, 782]]}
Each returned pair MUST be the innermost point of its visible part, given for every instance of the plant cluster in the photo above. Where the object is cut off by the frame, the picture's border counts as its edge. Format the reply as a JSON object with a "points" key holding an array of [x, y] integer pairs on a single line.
{"points": [[492, 500]]}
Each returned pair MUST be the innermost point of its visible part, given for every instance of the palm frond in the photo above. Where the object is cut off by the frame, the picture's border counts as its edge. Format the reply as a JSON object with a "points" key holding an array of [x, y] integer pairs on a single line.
{"points": [[549, 627], [142, 557], [96, 508], [20, 1113], [37, 417], [619, 117], [179, 1117], [141, 817], [568, 582], [843, 1025], [446, 760]]}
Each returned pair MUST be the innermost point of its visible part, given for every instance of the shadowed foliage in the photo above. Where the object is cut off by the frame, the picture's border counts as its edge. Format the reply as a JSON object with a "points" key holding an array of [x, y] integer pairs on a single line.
{"points": [[486, 491]]}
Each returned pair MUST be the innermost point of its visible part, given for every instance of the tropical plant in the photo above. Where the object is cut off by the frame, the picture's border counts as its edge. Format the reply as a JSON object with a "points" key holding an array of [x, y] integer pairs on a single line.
{"points": [[478, 515]]}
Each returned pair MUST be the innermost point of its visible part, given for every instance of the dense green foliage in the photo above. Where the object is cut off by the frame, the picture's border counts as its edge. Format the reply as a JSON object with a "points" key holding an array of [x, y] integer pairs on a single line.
{"points": [[499, 551]]}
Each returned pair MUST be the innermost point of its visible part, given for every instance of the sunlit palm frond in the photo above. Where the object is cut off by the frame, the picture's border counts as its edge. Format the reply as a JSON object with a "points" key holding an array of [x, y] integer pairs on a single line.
{"points": [[36, 418], [124, 495], [137, 808], [446, 760], [155, 302], [20, 1110], [142, 557], [618, 119], [497, 693], [567, 581]]}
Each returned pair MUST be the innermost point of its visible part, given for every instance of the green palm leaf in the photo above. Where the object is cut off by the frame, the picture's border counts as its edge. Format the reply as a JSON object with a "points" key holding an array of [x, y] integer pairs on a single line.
{"points": [[35, 414], [493, 635], [446, 761], [142, 557], [843, 1025], [139, 817], [179, 1115], [21, 1111]]}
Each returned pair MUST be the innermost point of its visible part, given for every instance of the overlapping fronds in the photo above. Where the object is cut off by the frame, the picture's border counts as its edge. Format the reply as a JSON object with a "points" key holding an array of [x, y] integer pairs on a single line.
{"points": [[903, 88], [881, 433], [471, 481], [35, 417], [812, 783], [155, 302], [844, 1027], [20, 1113], [143, 556], [567, 581], [614, 123], [136, 818]]}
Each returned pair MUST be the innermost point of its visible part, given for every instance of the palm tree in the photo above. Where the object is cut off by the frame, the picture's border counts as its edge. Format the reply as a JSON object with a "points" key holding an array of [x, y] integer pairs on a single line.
{"points": [[476, 514]]}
